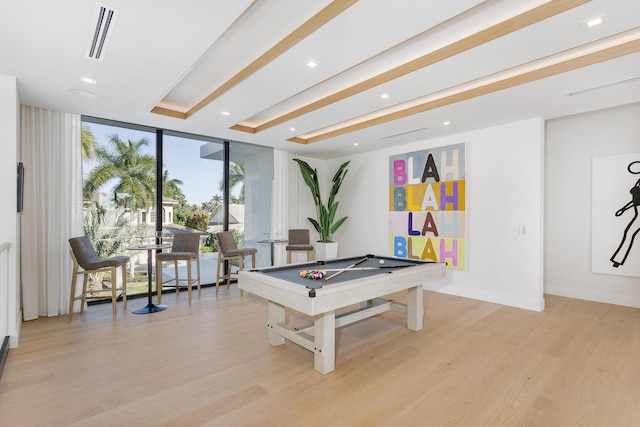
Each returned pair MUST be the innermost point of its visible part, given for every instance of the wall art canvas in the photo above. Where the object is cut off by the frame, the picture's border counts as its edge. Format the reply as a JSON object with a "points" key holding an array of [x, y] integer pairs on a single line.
{"points": [[615, 239], [427, 218]]}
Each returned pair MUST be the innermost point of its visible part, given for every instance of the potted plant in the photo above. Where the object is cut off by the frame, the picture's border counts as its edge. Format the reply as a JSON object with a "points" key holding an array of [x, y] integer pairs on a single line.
{"points": [[325, 222]]}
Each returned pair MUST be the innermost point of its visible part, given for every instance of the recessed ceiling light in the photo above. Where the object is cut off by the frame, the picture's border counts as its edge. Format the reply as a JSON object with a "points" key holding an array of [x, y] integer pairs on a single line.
{"points": [[225, 113], [312, 64], [447, 123], [88, 80], [593, 22], [292, 129], [355, 144], [384, 96]]}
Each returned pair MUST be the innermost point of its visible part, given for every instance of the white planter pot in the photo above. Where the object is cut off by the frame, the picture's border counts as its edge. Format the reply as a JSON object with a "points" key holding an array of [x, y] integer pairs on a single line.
{"points": [[326, 251]]}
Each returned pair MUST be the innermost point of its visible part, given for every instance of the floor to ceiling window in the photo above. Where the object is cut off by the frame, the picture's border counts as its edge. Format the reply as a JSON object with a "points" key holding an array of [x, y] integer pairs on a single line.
{"points": [[250, 180], [192, 191], [120, 191]]}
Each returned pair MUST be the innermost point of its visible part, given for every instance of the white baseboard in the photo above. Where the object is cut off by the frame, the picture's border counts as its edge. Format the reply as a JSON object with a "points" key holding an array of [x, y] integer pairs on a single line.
{"points": [[14, 336], [589, 295], [502, 299]]}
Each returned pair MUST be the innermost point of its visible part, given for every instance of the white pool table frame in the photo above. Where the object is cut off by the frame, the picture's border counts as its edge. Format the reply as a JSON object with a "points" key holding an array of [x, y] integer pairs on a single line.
{"points": [[319, 338]]}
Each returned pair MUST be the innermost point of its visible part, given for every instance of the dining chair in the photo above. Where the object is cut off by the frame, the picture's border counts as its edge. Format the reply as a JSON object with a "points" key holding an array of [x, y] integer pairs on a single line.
{"points": [[86, 262], [185, 247], [228, 251], [299, 242]]}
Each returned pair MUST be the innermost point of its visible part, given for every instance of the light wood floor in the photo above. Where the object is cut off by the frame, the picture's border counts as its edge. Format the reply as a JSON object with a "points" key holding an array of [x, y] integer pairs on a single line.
{"points": [[474, 364]]}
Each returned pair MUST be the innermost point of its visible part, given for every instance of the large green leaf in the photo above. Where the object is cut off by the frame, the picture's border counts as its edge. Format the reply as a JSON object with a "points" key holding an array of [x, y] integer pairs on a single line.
{"points": [[310, 177], [315, 224], [337, 179], [338, 224]]}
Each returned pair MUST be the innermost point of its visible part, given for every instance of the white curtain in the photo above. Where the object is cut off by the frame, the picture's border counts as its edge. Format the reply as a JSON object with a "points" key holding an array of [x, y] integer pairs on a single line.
{"points": [[284, 206], [51, 153]]}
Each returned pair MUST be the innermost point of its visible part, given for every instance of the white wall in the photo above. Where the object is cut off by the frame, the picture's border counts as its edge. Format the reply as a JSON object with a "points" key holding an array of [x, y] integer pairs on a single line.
{"points": [[9, 219], [571, 144], [504, 191]]}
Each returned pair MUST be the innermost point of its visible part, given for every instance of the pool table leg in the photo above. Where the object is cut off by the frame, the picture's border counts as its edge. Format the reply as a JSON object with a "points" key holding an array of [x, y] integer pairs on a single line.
{"points": [[275, 315], [324, 355], [367, 303], [415, 311]]}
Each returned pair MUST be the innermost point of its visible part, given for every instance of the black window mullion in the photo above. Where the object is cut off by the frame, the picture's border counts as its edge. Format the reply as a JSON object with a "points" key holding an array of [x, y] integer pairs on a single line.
{"points": [[159, 213], [225, 191]]}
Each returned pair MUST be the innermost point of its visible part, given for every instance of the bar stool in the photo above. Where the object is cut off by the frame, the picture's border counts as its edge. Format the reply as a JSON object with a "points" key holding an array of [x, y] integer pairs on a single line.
{"points": [[228, 251], [299, 241]]}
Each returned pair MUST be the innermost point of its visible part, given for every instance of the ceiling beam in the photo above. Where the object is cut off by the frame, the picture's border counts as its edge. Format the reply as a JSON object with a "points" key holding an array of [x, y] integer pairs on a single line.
{"points": [[503, 28], [547, 67], [332, 10]]}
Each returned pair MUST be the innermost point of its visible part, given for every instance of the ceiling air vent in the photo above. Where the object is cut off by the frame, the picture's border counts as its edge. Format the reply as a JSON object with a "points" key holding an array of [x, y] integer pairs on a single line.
{"points": [[406, 132], [616, 82], [103, 23]]}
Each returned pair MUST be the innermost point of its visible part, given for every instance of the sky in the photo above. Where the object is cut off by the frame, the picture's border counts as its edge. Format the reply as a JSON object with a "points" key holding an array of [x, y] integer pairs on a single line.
{"points": [[181, 157]]}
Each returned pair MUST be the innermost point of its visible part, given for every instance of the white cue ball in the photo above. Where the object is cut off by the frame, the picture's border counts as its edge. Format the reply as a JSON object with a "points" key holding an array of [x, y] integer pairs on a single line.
{"points": [[381, 261]]}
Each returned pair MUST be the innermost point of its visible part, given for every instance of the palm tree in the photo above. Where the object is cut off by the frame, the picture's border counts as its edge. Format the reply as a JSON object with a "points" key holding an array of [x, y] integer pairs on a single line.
{"points": [[133, 172], [171, 187], [212, 204], [110, 233], [89, 143], [236, 176]]}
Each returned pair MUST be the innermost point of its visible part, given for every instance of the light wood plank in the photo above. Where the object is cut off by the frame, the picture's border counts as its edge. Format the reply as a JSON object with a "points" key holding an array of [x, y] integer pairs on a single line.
{"points": [[209, 364], [487, 35], [332, 10], [488, 84]]}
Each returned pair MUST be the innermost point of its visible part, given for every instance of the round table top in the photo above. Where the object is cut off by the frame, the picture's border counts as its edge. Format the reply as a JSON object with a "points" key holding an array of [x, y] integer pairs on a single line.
{"points": [[148, 247]]}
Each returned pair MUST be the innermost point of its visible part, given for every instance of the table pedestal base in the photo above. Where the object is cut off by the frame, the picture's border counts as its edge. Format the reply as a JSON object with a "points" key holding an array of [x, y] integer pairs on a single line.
{"points": [[150, 308]]}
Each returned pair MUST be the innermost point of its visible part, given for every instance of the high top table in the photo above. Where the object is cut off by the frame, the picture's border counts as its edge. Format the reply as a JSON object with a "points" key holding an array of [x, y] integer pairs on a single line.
{"points": [[150, 307], [272, 242]]}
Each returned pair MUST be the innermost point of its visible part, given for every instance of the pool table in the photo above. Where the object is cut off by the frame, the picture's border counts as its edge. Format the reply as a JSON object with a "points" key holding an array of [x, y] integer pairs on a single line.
{"points": [[362, 286]]}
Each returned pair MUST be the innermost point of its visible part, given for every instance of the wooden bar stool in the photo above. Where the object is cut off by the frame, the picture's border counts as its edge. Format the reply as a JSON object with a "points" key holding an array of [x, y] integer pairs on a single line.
{"points": [[299, 242], [228, 251], [185, 247], [84, 256]]}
